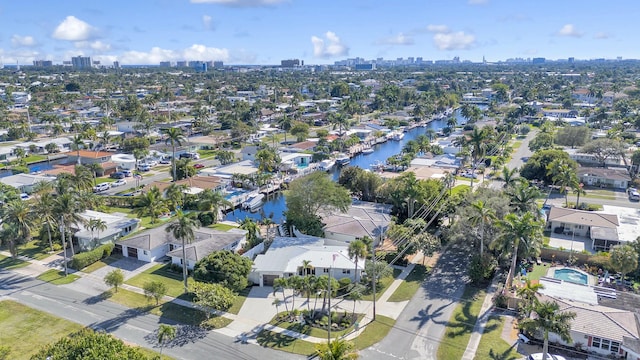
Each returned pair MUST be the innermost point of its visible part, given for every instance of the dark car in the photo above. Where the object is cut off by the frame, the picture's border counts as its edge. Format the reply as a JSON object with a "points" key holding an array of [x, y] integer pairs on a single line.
{"points": [[198, 166], [117, 175]]}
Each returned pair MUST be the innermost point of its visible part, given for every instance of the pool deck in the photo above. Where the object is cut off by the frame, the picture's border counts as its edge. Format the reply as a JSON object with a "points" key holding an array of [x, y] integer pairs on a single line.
{"points": [[591, 280]]}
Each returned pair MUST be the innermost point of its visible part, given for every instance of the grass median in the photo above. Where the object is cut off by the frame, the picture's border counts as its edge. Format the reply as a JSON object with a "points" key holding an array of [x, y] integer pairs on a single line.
{"points": [[56, 277], [460, 325], [410, 285]]}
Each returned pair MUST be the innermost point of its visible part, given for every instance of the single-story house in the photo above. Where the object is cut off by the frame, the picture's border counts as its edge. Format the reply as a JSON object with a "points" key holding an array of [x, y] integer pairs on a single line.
{"points": [[194, 183], [361, 219], [617, 178], [94, 157], [599, 329], [154, 244], [591, 160], [245, 167], [25, 182], [285, 256], [601, 228], [117, 226], [294, 161], [444, 161]]}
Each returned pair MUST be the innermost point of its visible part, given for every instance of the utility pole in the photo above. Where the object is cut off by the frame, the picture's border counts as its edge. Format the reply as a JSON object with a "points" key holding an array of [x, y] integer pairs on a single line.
{"points": [[64, 247], [373, 259], [329, 296]]}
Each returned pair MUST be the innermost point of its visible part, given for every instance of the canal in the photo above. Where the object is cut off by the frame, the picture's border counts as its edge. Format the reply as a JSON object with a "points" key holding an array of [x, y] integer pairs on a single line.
{"points": [[275, 206]]}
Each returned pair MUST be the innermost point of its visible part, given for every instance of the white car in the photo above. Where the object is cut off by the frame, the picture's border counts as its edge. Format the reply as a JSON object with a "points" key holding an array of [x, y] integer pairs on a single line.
{"points": [[538, 356], [101, 187], [119, 183], [25, 196]]}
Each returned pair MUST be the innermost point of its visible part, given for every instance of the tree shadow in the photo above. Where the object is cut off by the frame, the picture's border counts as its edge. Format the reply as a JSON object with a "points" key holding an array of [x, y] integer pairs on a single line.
{"points": [[112, 324], [272, 339], [97, 298], [505, 355], [185, 334], [13, 281], [423, 316]]}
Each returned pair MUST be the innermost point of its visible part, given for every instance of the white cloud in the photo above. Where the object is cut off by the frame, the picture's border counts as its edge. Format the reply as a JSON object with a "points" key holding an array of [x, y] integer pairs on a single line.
{"points": [[601, 35], [454, 40], [478, 2], [23, 41], [329, 47], [400, 39], [569, 30], [94, 45], [207, 22], [157, 54], [74, 29], [240, 3], [438, 28]]}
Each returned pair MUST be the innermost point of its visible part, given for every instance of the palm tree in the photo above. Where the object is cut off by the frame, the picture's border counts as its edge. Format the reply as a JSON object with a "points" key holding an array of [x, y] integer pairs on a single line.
{"points": [[44, 209], [481, 214], [281, 284], [94, 168], [183, 229], [548, 318], [519, 235], [175, 195], [214, 202], [277, 302], [151, 204], [68, 207], [252, 230], [139, 154], [82, 180], [175, 138], [96, 225], [285, 123], [578, 190], [357, 250], [523, 197], [77, 143], [528, 293], [508, 176], [19, 214], [338, 349], [267, 221], [165, 333], [563, 175]]}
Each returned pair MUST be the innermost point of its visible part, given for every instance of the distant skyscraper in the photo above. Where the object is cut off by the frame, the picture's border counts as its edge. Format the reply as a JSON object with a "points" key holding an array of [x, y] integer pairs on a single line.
{"points": [[572, 59], [181, 64], [218, 64], [42, 63], [538, 60], [116, 65], [290, 63], [165, 63], [81, 62]]}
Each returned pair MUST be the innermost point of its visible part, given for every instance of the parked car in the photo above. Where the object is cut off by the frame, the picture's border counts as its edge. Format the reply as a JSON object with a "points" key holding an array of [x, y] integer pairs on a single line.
{"points": [[25, 196], [119, 183], [165, 161], [470, 175], [190, 155], [538, 356], [634, 195], [198, 166], [117, 175], [127, 173], [101, 187], [144, 167]]}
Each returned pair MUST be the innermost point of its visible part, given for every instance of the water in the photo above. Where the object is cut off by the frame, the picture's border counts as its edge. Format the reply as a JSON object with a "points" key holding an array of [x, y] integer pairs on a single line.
{"points": [[43, 166], [382, 152], [571, 275]]}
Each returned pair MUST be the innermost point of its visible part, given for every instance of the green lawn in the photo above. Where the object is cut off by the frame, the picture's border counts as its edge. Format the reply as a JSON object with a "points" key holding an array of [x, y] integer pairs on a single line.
{"points": [[102, 263], [34, 250], [9, 263], [181, 314], [410, 285], [56, 277], [372, 334], [34, 158], [25, 330], [460, 188], [597, 196], [492, 346], [239, 301], [383, 286], [161, 272], [538, 271], [207, 154], [307, 329], [102, 180], [222, 227], [461, 324]]}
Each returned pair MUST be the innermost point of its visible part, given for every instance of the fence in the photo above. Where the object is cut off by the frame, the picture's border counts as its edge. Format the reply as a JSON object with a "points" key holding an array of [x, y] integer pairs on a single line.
{"points": [[254, 251]]}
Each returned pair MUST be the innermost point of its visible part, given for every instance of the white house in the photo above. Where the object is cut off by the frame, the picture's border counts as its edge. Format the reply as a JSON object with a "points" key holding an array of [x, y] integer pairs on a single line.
{"points": [[285, 256], [294, 161], [245, 167], [601, 228], [154, 244], [362, 219], [116, 226], [25, 182], [616, 178]]}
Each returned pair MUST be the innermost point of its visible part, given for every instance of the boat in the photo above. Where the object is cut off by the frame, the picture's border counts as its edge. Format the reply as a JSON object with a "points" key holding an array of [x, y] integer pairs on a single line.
{"points": [[368, 151], [253, 202], [327, 164], [343, 159], [398, 135]]}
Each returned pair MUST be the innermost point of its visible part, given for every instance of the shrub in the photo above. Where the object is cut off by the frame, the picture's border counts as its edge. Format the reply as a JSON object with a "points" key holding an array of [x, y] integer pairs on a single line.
{"points": [[82, 260], [344, 283], [482, 269], [205, 218]]}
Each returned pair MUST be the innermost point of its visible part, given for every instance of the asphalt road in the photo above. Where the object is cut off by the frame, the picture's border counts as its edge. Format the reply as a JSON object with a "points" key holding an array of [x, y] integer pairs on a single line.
{"points": [[420, 328], [127, 324], [517, 160]]}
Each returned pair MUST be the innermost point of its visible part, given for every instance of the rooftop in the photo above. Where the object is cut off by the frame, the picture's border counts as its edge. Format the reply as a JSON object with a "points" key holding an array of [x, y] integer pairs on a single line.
{"points": [[579, 217], [362, 219]]}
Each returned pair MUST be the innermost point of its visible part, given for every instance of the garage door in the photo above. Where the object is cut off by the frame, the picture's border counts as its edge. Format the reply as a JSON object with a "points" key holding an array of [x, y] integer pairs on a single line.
{"points": [[132, 252], [267, 280]]}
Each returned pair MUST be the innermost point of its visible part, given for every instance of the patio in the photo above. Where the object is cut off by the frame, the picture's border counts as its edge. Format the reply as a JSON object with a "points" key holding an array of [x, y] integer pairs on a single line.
{"points": [[575, 242]]}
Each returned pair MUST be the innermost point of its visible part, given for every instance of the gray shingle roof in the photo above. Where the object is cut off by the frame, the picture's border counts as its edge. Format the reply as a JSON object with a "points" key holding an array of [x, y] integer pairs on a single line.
{"points": [[213, 241], [587, 218]]}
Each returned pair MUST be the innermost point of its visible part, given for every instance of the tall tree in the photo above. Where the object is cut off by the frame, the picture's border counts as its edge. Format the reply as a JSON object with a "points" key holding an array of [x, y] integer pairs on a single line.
{"points": [[624, 259], [183, 229], [166, 333], [77, 144], [482, 214], [357, 250], [151, 204], [213, 201], [175, 138], [548, 319], [20, 214]]}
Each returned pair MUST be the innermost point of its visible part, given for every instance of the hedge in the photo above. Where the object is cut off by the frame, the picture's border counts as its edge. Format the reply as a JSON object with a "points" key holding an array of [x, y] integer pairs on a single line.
{"points": [[82, 260]]}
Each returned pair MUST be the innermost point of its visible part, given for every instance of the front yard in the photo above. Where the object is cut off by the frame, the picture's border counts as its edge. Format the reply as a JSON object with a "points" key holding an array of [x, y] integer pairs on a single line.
{"points": [[410, 285], [382, 286], [10, 263], [492, 345], [56, 277], [460, 326]]}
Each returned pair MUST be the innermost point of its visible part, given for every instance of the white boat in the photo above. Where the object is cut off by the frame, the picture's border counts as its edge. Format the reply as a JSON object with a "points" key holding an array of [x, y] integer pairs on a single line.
{"points": [[343, 159], [398, 135], [368, 151], [327, 164], [253, 202]]}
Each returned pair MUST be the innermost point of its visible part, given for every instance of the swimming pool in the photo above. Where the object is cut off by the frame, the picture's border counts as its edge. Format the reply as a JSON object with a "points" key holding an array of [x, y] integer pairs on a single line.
{"points": [[571, 275], [231, 194]]}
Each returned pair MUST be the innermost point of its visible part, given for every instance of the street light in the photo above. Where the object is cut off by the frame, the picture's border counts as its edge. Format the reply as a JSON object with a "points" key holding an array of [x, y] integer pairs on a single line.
{"points": [[64, 247]]}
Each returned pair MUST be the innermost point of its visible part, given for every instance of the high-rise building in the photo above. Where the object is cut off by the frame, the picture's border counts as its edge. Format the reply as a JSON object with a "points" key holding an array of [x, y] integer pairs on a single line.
{"points": [[42, 63], [81, 62], [165, 63], [538, 60], [290, 63], [116, 64], [181, 63], [218, 64]]}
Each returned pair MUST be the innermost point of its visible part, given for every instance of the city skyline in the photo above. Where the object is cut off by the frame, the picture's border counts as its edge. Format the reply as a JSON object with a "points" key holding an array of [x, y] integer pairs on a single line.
{"points": [[263, 32]]}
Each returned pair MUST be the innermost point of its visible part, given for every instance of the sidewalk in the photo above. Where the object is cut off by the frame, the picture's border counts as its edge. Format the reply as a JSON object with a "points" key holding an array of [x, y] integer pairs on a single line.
{"points": [[478, 329], [256, 312]]}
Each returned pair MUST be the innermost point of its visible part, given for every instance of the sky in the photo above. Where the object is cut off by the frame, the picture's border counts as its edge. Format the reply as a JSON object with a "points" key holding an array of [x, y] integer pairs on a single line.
{"points": [[263, 32]]}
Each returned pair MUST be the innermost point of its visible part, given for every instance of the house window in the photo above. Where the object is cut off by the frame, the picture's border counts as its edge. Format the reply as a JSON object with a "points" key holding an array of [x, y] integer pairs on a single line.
{"points": [[595, 342], [145, 252], [615, 347], [346, 271], [325, 270], [605, 344]]}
